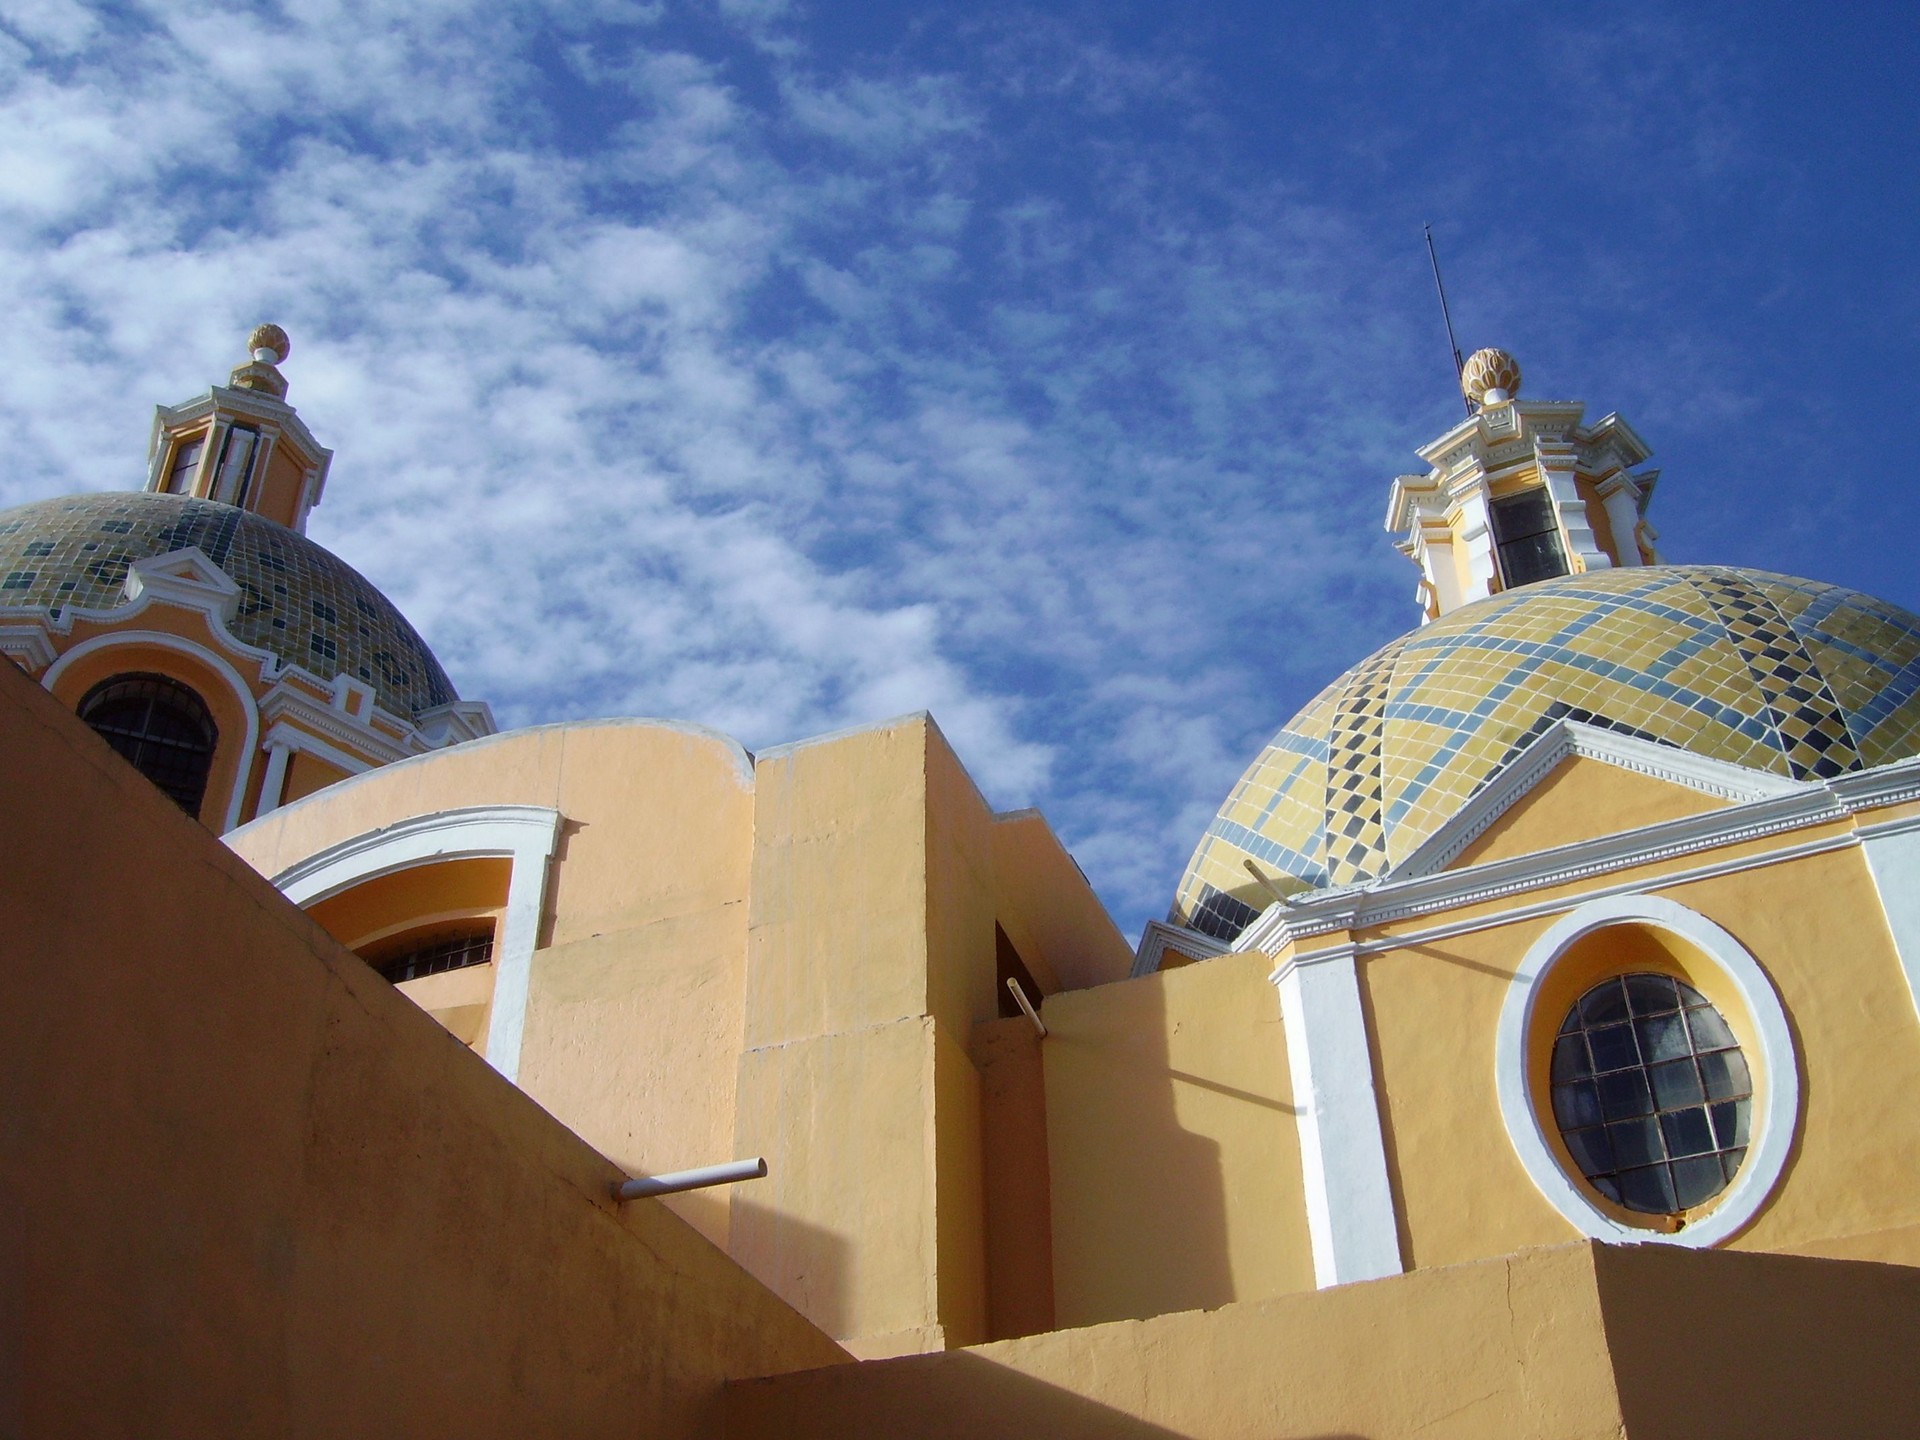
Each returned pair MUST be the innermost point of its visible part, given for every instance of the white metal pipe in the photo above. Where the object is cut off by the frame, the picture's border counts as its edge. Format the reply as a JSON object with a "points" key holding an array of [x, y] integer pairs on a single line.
{"points": [[1026, 1005], [678, 1180]]}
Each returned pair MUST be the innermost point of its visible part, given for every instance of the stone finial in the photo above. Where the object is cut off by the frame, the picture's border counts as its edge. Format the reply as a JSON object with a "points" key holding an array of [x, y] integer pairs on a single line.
{"points": [[1490, 377], [269, 345]]}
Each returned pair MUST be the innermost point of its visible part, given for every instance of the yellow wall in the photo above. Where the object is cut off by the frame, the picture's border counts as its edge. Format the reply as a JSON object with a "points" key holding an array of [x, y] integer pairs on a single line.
{"points": [[306, 774], [1814, 924], [1581, 799], [633, 1021], [258, 1192], [793, 967], [1579, 1342], [1174, 1144]]}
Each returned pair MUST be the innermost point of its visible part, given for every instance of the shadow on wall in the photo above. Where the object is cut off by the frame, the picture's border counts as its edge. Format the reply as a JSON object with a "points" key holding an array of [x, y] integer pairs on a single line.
{"points": [[804, 1264], [1139, 1198], [954, 1396]]}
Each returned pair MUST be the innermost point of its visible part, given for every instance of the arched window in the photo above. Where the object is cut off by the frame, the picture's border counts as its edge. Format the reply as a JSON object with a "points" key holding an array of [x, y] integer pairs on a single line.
{"points": [[161, 727]]}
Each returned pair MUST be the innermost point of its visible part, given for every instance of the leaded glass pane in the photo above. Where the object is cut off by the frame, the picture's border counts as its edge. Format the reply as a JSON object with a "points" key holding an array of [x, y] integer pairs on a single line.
{"points": [[1651, 1093]]}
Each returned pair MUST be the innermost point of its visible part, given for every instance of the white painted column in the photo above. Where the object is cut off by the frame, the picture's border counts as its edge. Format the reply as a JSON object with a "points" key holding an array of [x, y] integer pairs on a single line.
{"points": [[1894, 862], [1556, 469], [513, 964], [275, 780], [1474, 526], [1343, 1156], [1621, 497]]}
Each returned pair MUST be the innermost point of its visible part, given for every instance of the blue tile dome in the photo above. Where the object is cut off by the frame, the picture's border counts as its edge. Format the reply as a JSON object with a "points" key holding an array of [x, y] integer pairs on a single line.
{"points": [[1792, 677]]}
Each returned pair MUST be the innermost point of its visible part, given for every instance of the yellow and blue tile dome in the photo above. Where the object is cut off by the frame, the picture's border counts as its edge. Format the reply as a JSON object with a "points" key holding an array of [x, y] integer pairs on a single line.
{"points": [[1791, 677], [297, 599]]}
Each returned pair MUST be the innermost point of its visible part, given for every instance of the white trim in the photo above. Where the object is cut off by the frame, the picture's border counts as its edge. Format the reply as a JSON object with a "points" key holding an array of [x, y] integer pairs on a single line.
{"points": [[1772, 1125], [1563, 740], [296, 739], [1343, 1156], [524, 834], [1158, 937], [274, 783], [1389, 899], [186, 578], [1893, 860], [243, 772], [27, 644]]}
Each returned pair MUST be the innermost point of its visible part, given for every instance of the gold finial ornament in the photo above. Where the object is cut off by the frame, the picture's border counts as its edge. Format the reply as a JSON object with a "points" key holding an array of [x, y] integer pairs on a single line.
{"points": [[1490, 377], [271, 340]]}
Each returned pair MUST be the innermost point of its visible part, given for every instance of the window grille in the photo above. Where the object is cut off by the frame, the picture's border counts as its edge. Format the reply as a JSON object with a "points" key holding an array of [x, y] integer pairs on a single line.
{"points": [[434, 955], [1528, 537], [161, 727]]}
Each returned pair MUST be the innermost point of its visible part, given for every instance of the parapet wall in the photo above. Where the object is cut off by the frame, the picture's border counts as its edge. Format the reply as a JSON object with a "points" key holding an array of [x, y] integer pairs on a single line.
{"points": [[247, 1188]]}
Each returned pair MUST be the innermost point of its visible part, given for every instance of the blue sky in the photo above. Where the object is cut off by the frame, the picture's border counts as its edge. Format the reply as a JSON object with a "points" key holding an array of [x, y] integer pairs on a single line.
{"points": [[787, 367]]}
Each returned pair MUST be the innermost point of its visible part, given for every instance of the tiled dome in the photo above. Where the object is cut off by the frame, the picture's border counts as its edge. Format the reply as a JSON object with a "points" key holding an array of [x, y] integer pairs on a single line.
{"points": [[1788, 676], [296, 599]]}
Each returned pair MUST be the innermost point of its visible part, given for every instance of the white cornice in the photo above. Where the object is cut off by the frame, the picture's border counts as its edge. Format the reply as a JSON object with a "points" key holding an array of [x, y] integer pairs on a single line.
{"points": [[186, 578], [1561, 741], [285, 704], [1805, 805], [25, 640], [1159, 937], [158, 586]]}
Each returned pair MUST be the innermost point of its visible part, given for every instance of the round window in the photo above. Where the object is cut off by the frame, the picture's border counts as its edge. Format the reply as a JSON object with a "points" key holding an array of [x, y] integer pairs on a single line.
{"points": [[1651, 1093]]}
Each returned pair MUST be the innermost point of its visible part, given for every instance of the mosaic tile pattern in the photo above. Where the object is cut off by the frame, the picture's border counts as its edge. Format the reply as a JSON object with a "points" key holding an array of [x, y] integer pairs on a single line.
{"points": [[296, 599], [1788, 676]]}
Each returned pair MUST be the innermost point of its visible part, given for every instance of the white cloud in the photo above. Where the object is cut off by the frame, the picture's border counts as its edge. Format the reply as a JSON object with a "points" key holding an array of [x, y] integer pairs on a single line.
{"points": [[724, 384]]}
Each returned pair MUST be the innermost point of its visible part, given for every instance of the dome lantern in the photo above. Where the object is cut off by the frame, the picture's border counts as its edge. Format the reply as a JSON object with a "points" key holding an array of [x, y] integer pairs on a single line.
{"points": [[1520, 491], [241, 443]]}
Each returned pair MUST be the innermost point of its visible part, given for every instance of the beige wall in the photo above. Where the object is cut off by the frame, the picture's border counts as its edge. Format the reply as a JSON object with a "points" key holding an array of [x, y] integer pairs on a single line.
{"points": [[257, 1191]]}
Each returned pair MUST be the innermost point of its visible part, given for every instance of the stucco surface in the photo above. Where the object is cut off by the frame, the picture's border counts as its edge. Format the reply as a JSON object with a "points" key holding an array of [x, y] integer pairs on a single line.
{"points": [[1174, 1145], [257, 1191]]}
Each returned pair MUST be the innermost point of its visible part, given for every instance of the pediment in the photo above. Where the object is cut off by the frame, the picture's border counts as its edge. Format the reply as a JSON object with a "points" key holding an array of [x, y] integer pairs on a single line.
{"points": [[1580, 782], [184, 577]]}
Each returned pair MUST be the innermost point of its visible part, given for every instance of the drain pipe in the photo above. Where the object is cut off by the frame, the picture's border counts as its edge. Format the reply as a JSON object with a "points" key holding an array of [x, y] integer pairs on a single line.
{"points": [[678, 1180]]}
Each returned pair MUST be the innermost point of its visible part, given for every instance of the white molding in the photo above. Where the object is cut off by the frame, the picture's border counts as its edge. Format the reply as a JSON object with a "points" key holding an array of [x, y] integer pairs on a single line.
{"points": [[243, 772], [186, 578], [523, 834], [1674, 880], [455, 723], [195, 600], [1396, 898], [293, 739], [1343, 1157], [1893, 860], [27, 644], [1773, 1118], [1563, 740], [1158, 937], [286, 702]]}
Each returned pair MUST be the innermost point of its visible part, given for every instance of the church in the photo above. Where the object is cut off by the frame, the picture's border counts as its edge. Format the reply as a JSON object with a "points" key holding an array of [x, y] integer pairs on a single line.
{"points": [[1530, 1047]]}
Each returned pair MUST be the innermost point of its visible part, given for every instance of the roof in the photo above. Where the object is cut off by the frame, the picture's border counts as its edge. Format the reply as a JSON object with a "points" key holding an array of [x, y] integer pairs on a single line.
{"points": [[297, 599], [1790, 677]]}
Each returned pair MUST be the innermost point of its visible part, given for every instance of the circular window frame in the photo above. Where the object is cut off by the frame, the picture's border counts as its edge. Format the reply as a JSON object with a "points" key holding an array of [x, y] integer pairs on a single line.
{"points": [[1771, 1056]]}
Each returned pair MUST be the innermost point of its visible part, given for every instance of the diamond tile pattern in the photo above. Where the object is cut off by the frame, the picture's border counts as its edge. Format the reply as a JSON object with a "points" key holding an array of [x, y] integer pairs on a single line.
{"points": [[296, 599], [1788, 676]]}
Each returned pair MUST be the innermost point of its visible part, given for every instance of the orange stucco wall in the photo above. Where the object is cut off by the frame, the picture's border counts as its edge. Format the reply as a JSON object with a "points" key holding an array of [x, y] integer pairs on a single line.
{"points": [[256, 1191]]}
